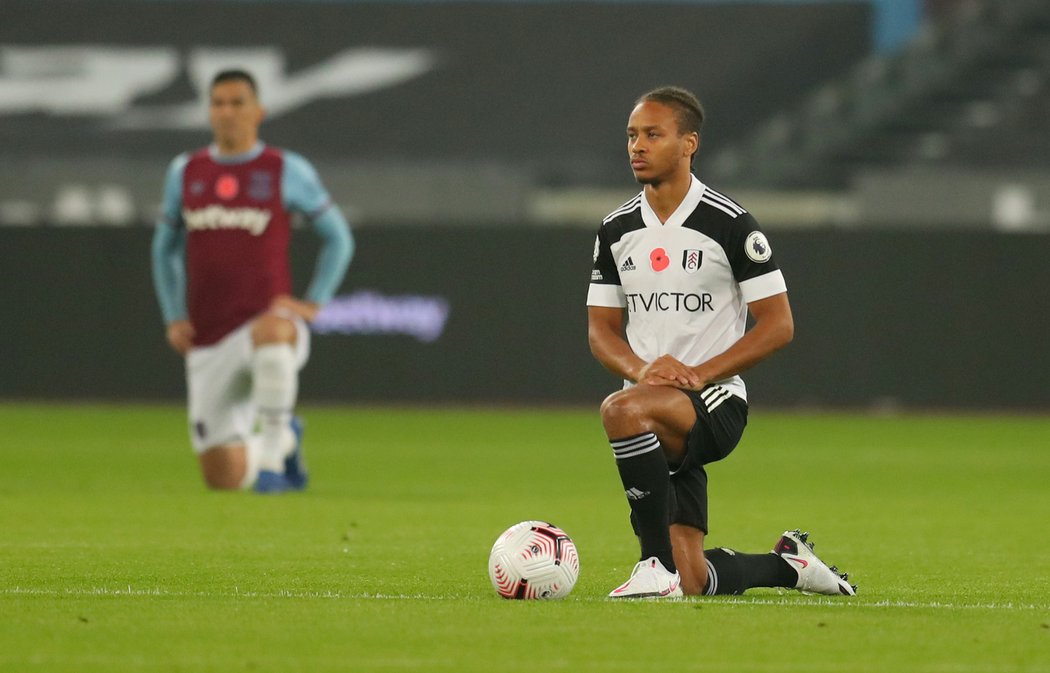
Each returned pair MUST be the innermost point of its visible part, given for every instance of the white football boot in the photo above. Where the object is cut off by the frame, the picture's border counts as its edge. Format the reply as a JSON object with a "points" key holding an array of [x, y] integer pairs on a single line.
{"points": [[649, 579], [814, 577]]}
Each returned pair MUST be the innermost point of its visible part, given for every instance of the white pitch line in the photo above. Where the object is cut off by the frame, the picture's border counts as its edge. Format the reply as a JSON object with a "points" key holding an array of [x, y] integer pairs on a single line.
{"points": [[839, 603], [335, 595]]}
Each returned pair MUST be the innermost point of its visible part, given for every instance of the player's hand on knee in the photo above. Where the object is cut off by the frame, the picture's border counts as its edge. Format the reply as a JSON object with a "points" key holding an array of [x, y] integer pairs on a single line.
{"points": [[303, 309], [180, 335], [668, 371]]}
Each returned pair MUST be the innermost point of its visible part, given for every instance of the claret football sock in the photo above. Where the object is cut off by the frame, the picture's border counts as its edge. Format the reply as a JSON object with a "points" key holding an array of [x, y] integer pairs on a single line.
{"points": [[643, 471], [730, 572], [275, 386]]}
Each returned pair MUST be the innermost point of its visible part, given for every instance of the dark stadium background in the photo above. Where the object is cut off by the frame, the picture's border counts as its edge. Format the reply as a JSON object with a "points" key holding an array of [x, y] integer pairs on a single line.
{"points": [[896, 157]]}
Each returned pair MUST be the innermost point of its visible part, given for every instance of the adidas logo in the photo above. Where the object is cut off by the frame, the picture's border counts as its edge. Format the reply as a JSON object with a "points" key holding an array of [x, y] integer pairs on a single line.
{"points": [[628, 265], [635, 494]]}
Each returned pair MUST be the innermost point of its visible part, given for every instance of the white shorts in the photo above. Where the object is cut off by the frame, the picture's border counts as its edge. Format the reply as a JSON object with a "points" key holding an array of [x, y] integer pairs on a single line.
{"points": [[219, 385]]}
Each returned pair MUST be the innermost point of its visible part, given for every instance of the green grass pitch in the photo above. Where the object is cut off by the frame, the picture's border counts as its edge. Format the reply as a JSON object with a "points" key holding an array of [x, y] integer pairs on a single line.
{"points": [[113, 557]]}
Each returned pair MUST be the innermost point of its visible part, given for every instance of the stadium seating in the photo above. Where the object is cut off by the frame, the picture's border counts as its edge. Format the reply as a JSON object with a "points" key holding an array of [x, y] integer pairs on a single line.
{"points": [[970, 90]]}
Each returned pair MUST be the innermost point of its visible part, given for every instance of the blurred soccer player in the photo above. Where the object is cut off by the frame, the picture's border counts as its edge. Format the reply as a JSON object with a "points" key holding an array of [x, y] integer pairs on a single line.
{"points": [[676, 270], [222, 277]]}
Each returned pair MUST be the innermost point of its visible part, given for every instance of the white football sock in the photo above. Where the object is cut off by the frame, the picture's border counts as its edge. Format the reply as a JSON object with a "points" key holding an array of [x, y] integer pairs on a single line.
{"points": [[252, 461], [275, 385]]}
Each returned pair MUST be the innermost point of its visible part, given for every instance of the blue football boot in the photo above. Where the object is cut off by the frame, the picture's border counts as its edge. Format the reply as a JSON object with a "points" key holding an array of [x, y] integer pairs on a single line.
{"points": [[271, 482], [294, 477], [294, 464]]}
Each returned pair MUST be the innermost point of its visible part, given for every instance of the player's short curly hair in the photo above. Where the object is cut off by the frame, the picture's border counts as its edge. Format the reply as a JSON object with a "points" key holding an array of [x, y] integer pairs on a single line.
{"points": [[234, 75], [689, 113]]}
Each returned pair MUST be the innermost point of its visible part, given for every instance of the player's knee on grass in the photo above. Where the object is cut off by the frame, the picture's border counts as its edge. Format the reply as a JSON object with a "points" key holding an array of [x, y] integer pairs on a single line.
{"points": [[223, 467]]}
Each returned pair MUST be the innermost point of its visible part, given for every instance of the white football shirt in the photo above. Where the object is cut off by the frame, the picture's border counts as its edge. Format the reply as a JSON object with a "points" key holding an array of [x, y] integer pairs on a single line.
{"points": [[685, 283]]}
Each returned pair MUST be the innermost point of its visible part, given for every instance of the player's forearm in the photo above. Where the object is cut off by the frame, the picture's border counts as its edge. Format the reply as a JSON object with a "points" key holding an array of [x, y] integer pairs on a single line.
{"points": [[615, 354], [169, 274], [337, 249], [765, 338]]}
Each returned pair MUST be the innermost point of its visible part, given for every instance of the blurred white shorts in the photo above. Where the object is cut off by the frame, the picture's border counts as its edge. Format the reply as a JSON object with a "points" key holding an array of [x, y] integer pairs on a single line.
{"points": [[219, 386]]}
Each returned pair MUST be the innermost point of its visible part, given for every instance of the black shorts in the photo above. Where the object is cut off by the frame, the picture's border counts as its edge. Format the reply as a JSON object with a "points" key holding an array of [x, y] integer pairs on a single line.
{"points": [[715, 434]]}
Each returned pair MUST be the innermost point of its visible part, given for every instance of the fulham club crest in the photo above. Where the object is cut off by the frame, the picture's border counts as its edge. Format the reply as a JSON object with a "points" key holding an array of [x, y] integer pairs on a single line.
{"points": [[691, 260]]}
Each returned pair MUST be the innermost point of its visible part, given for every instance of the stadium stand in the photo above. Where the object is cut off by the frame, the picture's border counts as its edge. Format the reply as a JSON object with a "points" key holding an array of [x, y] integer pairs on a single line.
{"points": [[970, 91]]}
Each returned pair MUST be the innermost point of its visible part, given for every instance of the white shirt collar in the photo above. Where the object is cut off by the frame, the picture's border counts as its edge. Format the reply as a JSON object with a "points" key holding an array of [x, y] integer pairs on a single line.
{"points": [[256, 150], [681, 213]]}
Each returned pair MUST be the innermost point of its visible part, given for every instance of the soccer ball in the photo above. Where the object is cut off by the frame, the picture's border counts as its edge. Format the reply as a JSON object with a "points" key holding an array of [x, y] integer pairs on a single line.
{"points": [[534, 559]]}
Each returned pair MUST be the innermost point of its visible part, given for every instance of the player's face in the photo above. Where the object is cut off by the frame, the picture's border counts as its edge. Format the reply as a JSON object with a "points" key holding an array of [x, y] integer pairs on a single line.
{"points": [[655, 147], [235, 115]]}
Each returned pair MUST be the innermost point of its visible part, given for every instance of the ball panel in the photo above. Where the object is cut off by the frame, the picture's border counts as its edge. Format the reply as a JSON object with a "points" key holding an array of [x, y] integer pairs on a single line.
{"points": [[534, 559]]}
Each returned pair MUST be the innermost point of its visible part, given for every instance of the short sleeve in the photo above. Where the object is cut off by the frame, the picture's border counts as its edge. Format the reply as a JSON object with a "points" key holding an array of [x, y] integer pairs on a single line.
{"points": [[751, 258], [605, 288]]}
